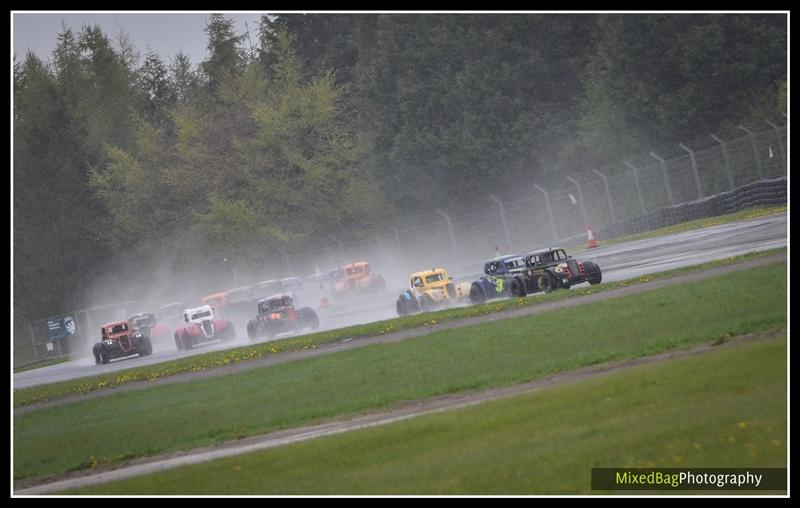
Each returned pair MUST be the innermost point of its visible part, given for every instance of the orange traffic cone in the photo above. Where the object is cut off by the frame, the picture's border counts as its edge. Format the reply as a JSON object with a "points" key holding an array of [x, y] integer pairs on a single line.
{"points": [[592, 241], [323, 299]]}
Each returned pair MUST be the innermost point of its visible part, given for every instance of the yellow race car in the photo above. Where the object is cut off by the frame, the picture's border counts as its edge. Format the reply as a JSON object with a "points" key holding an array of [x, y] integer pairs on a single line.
{"points": [[430, 290]]}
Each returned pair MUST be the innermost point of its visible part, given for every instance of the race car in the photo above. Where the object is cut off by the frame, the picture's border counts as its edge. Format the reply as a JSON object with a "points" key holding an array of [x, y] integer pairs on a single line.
{"points": [[277, 314], [356, 278], [199, 325], [550, 269], [497, 274], [291, 285], [118, 339], [143, 322], [166, 316], [429, 290]]}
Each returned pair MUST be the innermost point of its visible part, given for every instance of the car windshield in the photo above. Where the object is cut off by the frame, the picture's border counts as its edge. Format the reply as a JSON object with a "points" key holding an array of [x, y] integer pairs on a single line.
{"points": [[143, 321], [436, 277], [201, 315], [118, 328], [280, 303], [515, 263]]}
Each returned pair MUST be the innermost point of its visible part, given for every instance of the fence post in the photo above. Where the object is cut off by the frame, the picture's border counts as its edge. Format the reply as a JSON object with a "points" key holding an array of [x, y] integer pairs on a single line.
{"points": [[451, 233], [503, 219], [755, 151], [694, 169], [666, 177], [549, 211], [580, 197], [33, 340], [608, 195], [288, 262], [638, 187], [780, 143], [725, 159]]}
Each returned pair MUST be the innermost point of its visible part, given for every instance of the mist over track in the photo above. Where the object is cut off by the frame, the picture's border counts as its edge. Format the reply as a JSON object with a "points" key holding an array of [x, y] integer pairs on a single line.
{"points": [[618, 262]]}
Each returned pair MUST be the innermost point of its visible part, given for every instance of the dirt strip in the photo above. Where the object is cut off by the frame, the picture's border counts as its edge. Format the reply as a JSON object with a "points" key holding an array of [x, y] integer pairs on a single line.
{"points": [[403, 412], [347, 344]]}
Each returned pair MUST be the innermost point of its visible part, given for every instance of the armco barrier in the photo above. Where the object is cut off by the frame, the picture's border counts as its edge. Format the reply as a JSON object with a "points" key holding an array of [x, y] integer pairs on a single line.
{"points": [[761, 193]]}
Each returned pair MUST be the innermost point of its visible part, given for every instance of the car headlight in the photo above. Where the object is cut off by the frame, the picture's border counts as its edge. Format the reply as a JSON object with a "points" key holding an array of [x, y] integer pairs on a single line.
{"points": [[564, 281], [108, 342]]}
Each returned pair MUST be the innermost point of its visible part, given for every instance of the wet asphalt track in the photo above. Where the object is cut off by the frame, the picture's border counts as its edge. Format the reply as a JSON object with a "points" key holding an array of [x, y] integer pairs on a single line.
{"points": [[618, 262]]}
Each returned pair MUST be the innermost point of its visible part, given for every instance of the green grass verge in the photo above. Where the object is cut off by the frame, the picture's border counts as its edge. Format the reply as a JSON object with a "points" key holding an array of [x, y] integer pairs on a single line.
{"points": [[172, 417], [725, 408], [54, 391], [750, 213], [41, 363]]}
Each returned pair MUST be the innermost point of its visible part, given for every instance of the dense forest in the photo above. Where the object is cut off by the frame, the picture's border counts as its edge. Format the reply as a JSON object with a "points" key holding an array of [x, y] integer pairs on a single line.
{"points": [[339, 123]]}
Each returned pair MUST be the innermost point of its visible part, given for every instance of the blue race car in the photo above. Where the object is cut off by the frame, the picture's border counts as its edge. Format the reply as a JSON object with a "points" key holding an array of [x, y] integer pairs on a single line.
{"points": [[496, 278]]}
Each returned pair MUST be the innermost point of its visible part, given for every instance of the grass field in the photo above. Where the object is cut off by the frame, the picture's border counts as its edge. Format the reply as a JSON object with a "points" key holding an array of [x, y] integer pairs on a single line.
{"points": [[107, 430], [216, 359], [725, 408]]}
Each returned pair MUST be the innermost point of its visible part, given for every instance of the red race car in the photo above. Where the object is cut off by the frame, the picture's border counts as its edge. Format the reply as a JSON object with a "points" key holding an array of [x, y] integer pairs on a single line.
{"points": [[277, 314]]}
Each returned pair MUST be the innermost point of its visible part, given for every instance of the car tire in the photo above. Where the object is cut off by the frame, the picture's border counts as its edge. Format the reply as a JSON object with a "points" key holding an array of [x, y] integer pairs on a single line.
{"points": [[547, 282], [428, 303], [517, 287], [476, 295], [593, 273], [252, 329], [401, 307], [308, 318], [145, 346], [187, 341], [178, 341]]}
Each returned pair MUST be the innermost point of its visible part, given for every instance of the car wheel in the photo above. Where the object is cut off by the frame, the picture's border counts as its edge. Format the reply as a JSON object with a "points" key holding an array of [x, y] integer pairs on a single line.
{"points": [[476, 296], [401, 307], [594, 275], [309, 318], [145, 347], [517, 287], [252, 329], [428, 304], [547, 282]]}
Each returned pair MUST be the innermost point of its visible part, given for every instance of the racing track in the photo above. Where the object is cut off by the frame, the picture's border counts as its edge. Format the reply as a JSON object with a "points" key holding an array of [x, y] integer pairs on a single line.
{"points": [[618, 262]]}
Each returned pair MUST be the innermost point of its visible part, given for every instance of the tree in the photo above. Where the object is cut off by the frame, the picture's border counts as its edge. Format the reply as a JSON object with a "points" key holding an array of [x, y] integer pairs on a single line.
{"points": [[226, 57], [154, 82], [450, 104], [667, 78]]}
